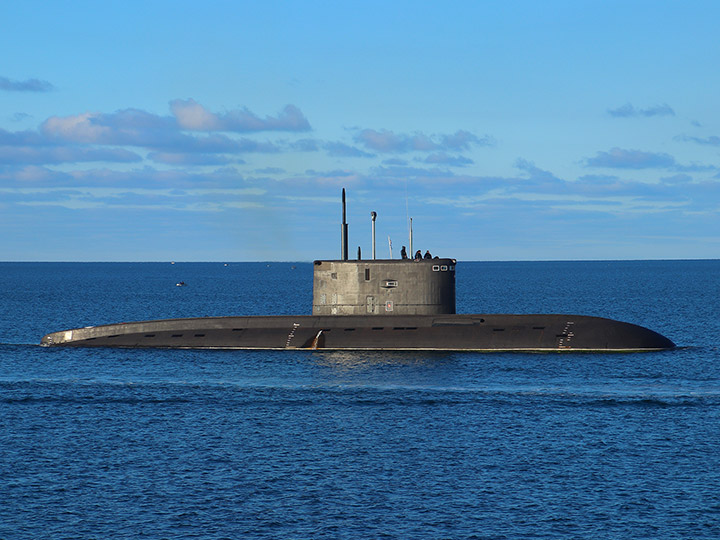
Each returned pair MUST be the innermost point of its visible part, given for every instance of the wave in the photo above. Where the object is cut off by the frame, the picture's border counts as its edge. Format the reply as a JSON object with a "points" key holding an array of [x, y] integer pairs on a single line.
{"points": [[246, 393]]}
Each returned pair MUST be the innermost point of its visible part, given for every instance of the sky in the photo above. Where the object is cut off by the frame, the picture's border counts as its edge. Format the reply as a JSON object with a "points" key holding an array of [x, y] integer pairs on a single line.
{"points": [[225, 131]]}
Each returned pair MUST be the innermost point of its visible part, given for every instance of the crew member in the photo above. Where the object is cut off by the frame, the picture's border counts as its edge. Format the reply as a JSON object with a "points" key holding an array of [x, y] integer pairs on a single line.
{"points": [[403, 253], [427, 255]]}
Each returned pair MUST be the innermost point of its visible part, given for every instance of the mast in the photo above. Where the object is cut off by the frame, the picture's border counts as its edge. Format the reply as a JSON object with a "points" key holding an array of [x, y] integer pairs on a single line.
{"points": [[344, 231], [373, 216], [411, 240]]}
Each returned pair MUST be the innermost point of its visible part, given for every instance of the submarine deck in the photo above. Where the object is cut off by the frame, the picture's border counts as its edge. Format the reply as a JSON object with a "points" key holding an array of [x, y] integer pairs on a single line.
{"points": [[471, 332]]}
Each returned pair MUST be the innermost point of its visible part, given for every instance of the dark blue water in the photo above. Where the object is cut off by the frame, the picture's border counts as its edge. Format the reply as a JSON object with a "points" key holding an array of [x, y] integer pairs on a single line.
{"points": [[232, 444]]}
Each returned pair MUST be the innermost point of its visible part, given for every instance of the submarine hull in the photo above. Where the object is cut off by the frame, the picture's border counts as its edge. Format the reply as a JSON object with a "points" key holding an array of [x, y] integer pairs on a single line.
{"points": [[478, 332]]}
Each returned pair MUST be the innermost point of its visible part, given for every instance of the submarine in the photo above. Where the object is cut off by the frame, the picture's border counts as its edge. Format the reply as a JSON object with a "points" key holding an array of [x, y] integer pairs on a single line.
{"points": [[376, 305]]}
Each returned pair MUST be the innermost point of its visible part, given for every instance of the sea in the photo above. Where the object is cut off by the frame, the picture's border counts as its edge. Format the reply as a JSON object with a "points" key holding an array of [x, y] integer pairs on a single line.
{"points": [[203, 444]]}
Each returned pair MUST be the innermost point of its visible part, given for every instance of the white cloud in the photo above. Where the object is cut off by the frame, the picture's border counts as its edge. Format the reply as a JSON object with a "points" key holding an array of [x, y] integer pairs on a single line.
{"points": [[630, 111], [28, 85], [64, 154], [85, 128], [441, 158], [191, 115], [631, 159], [390, 142]]}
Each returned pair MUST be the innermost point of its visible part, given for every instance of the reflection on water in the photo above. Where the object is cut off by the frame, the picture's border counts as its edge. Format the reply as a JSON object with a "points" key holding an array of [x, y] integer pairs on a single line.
{"points": [[353, 360]]}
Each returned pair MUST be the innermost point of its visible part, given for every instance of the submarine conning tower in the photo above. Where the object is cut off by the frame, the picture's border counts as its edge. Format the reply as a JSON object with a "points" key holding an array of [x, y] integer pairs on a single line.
{"points": [[382, 287]]}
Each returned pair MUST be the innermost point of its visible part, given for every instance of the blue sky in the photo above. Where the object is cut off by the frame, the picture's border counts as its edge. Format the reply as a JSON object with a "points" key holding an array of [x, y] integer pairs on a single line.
{"points": [[225, 131]]}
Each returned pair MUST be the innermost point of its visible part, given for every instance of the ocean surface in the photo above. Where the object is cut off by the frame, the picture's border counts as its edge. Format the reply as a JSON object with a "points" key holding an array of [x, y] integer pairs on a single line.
{"points": [[129, 444]]}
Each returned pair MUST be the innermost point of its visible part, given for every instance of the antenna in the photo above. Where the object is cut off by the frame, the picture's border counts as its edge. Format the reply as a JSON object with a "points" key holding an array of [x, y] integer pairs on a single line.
{"points": [[390, 244], [373, 216], [407, 216], [344, 231]]}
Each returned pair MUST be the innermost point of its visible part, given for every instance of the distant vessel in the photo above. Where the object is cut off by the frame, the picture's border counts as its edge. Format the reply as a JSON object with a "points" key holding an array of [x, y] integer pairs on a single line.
{"points": [[392, 304]]}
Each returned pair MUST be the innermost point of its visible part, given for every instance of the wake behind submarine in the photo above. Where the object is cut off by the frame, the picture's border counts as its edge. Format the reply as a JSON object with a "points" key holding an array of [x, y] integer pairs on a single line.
{"points": [[376, 305]]}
